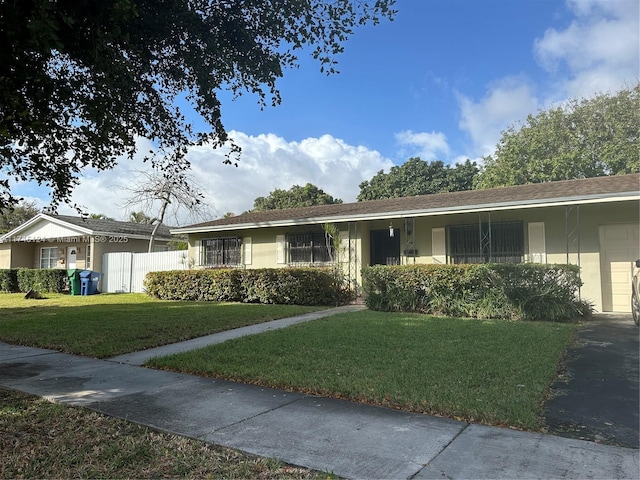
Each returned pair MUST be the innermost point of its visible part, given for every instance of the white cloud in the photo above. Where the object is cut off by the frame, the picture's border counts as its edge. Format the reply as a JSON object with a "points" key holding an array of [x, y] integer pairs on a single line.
{"points": [[598, 52], [427, 146], [506, 102], [268, 162]]}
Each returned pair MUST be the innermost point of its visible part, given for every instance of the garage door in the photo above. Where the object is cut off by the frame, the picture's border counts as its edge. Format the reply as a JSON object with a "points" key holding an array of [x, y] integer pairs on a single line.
{"points": [[619, 248]]}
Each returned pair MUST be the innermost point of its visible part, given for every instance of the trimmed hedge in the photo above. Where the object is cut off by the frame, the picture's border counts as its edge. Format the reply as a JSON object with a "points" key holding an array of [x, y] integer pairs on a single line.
{"points": [[9, 280], [509, 291], [293, 286], [25, 279]]}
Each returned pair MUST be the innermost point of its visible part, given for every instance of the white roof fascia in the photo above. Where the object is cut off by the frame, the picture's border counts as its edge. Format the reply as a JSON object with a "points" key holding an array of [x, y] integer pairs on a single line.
{"points": [[37, 218], [552, 202], [134, 236]]}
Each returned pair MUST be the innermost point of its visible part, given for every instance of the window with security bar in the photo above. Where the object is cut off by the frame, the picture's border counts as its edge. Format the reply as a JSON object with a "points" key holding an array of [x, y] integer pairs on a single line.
{"points": [[309, 248], [487, 242], [221, 251]]}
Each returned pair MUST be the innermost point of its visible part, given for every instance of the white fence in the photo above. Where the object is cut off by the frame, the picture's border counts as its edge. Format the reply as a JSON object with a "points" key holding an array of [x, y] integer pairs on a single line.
{"points": [[125, 271]]}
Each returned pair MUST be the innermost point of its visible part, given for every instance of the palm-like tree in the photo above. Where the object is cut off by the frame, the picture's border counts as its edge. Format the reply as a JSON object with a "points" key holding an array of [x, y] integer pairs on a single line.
{"points": [[141, 217]]}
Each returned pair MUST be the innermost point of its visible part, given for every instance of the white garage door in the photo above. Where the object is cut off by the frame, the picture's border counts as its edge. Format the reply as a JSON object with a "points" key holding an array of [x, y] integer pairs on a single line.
{"points": [[619, 248]]}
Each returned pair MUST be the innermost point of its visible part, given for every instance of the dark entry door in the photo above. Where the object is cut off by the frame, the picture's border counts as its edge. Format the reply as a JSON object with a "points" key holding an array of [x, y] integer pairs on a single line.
{"points": [[385, 250]]}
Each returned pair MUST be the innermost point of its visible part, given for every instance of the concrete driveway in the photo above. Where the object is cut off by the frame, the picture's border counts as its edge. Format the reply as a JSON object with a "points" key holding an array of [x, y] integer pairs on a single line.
{"points": [[597, 398]]}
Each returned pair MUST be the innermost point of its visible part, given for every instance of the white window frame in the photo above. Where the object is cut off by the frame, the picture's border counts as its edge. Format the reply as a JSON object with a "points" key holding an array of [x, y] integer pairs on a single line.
{"points": [[87, 257], [51, 260]]}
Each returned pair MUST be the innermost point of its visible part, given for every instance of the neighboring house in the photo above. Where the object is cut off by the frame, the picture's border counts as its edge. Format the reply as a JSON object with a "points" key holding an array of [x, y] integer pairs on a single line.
{"points": [[67, 242], [592, 222]]}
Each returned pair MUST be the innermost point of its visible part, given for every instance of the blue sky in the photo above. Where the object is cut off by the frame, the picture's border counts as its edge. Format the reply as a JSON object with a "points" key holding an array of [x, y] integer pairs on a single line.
{"points": [[407, 75], [440, 82]]}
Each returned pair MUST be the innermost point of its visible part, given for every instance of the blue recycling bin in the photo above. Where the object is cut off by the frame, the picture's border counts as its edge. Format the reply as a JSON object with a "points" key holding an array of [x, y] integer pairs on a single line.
{"points": [[89, 282]]}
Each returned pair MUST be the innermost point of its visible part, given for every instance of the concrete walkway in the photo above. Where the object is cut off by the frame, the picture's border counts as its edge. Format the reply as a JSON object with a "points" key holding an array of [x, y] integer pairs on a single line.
{"points": [[138, 358], [348, 439]]}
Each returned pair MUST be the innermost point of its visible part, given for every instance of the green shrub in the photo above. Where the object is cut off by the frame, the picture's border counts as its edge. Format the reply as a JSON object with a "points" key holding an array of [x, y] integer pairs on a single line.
{"points": [[509, 291], [9, 280], [294, 286], [43, 280]]}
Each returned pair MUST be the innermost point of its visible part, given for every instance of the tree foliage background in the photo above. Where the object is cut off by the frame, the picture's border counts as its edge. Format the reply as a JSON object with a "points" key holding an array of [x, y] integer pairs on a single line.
{"points": [[417, 177], [591, 137], [12, 218], [295, 197], [82, 80]]}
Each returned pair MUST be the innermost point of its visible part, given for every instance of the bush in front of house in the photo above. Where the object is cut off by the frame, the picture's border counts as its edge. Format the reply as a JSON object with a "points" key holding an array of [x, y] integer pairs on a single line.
{"points": [[287, 286], [9, 280], [42, 280], [502, 291], [198, 285]]}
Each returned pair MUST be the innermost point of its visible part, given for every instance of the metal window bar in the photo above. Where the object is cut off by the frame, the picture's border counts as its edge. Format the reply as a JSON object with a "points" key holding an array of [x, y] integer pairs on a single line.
{"points": [[484, 229], [507, 242], [322, 253], [299, 247], [469, 243], [222, 251], [410, 251], [309, 248]]}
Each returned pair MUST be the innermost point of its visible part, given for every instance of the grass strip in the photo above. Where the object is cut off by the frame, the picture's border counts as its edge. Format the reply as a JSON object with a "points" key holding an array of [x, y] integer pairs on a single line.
{"points": [[493, 372], [113, 324], [45, 440]]}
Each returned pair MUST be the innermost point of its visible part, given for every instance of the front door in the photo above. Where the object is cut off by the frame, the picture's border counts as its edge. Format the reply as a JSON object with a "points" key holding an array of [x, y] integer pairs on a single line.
{"points": [[385, 249], [72, 253]]}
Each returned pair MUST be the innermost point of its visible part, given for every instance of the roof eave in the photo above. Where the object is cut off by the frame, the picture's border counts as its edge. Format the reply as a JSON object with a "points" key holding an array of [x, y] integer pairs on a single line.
{"points": [[134, 236], [37, 218], [560, 201]]}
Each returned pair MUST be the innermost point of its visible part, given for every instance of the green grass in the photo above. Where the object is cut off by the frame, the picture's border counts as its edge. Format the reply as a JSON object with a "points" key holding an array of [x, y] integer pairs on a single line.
{"points": [[44, 440], [493, 372], [112, 324]]}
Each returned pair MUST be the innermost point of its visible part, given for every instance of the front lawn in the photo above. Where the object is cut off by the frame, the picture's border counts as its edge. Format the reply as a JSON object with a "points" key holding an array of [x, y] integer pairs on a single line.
{"points": [[494, 372], [112, 324]]}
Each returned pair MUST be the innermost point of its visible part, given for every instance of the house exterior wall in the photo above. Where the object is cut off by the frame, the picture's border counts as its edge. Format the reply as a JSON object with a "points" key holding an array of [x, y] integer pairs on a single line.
{"points": [[17, 255], [27, 254], [571, 235], [583, 237], [5, 256], [62, 253]]}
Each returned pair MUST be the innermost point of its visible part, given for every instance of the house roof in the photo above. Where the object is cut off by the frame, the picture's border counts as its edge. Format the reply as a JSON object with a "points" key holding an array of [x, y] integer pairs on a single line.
{"points": [[91, 226], [568, 192], [102, 226]]}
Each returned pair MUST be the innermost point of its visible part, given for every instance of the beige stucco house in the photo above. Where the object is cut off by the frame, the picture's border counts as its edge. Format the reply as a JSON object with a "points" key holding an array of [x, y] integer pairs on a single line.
{"points": [[68, 242], [592, 222]]}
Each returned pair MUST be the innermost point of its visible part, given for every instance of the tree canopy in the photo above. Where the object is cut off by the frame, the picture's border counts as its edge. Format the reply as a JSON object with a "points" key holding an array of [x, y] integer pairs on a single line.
{"points": [[82, 80], [12, 218], [142, 218], [417, 177], [295, 197], [585, 138], [99, 216]]}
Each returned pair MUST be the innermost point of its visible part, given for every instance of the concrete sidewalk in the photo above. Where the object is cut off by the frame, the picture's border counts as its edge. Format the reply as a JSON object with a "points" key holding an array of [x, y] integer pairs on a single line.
{"points": [[348, 439]]}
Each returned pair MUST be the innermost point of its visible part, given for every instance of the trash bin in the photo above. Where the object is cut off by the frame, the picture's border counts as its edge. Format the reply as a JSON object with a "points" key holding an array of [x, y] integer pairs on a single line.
{"points": [[73, 275], [89, 282], [95, 279]]}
